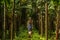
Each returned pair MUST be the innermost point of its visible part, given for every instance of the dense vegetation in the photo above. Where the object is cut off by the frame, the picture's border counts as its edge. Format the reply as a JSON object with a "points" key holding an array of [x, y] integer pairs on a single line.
{"points": [[15, 13]]}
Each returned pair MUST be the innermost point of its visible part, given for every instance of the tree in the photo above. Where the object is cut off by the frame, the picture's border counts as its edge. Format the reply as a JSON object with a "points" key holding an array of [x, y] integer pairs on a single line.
{"points": [[46, 20], [4, 20], [56, 2], [12, 22]]}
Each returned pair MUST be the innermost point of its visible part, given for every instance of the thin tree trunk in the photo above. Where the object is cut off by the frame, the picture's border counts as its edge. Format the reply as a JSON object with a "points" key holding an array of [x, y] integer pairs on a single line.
{"points": [[57, 18], [12, 22], [11, 30], [11, 27], [4, 21], [46, 20], [20, 14], [14, 27], [41, 25]]}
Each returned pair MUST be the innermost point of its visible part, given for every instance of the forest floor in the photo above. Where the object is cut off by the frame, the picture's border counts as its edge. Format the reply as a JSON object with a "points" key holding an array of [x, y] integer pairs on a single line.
{"points": [[23, 35]]}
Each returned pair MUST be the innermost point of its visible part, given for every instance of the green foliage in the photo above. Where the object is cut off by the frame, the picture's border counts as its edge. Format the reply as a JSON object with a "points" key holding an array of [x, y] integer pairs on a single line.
{"points": [[23, 35], [31, 6], [56, 2], [7, 1]]}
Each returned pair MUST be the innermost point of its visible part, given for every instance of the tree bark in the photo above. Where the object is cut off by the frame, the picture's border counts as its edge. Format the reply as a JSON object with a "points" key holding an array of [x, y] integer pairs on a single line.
{"points": [[4, 19], [57, 21], [12, 22], [41, 25], [46, 20]]}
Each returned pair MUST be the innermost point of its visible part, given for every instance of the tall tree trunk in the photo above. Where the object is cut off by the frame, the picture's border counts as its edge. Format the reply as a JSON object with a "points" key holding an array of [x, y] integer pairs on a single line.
{"points": [[12, 22], [4, 19], [1, 21], [39, 22], [20, 14], [41, 25], [57, 18], [11, 28], [46, 20]]}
